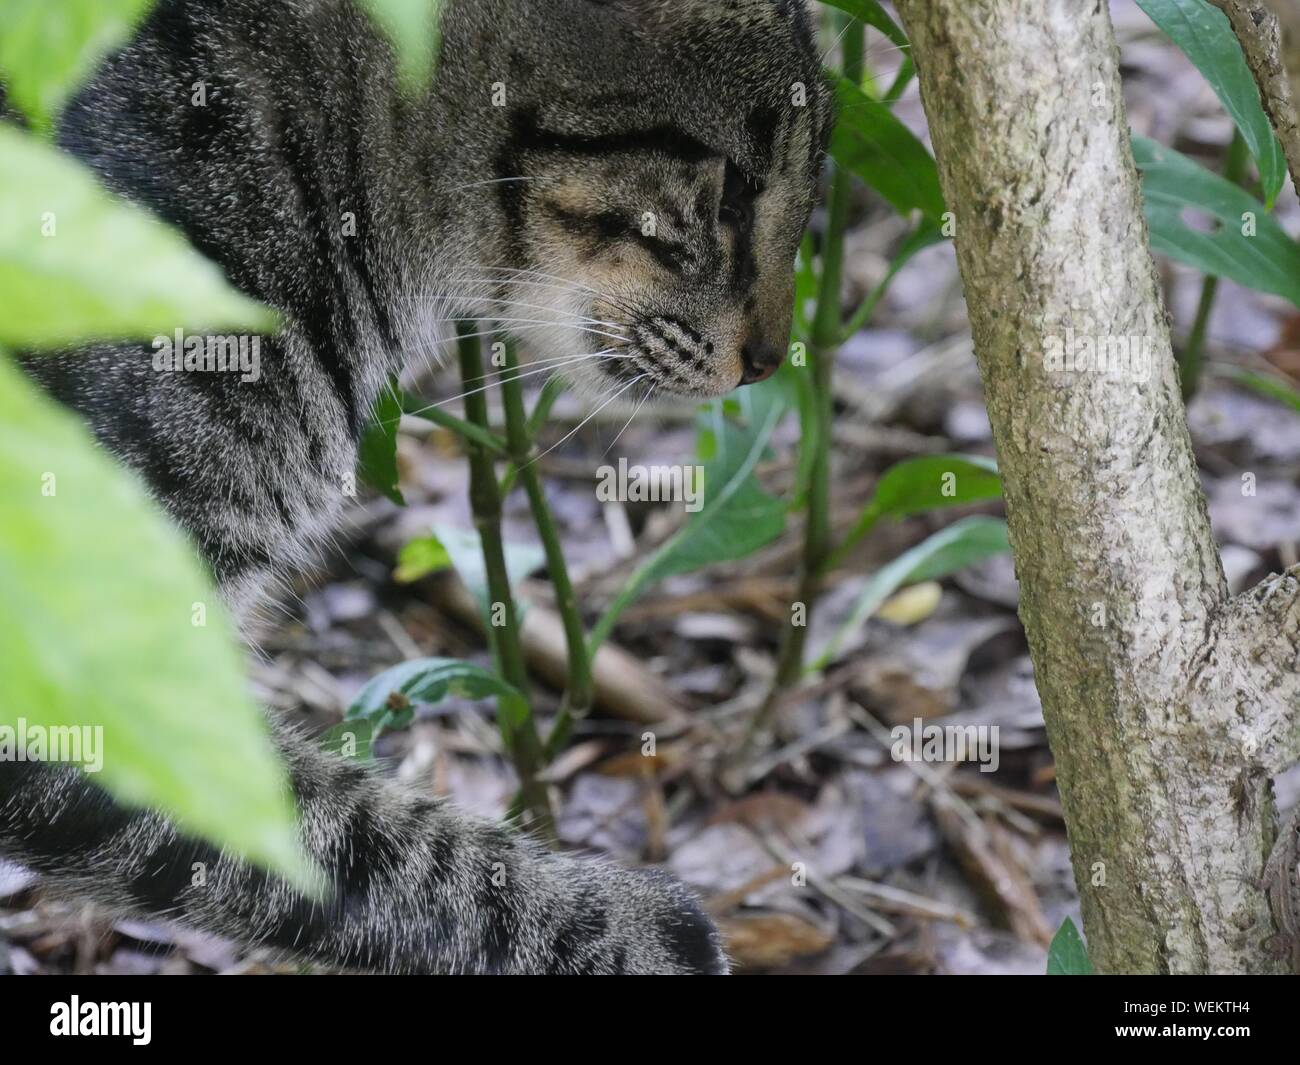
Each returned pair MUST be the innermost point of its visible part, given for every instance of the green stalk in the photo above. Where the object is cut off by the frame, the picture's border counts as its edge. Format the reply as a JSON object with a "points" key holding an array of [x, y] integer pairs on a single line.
{"points": [[906, 73], [465, 430], [1191, 364], [577, 699], [551, 391], [520, 736], [865, 524], [867, 307], [925, 235], [827, 327]]}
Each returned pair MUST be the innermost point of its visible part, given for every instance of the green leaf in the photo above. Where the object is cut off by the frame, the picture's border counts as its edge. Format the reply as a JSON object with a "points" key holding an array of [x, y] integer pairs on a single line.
{"points": [[390, 699], [105, 270], [412, 28], [930, 482], [48, 47], [422, 556], [935, 481], [959, 545], [465, 549], [350, 739], [1266, 385], [924, 236], [102, 626], [1206, 36], [377, 453], [737, 516], [1067, 956], [870, 12], [750, 520], [871, 142], [1268, 261]]}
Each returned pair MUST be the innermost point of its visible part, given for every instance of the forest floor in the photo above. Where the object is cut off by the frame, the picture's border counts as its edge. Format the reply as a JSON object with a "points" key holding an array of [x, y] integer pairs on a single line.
{"points": [[826, 855]]}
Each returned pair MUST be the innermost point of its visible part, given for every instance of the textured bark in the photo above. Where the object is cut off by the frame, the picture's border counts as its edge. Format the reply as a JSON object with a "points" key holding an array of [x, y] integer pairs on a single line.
{"points": [[1270, 37], [1258, 647], [1166, 707]]}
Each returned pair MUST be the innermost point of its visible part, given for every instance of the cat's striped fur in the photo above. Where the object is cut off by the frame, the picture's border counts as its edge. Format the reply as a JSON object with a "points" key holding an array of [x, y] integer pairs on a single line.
{"points": [[520, 187]]}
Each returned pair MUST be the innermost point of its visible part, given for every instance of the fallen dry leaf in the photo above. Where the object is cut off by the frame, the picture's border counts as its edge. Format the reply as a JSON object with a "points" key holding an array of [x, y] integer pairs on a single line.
{"points": [[767, 940]]}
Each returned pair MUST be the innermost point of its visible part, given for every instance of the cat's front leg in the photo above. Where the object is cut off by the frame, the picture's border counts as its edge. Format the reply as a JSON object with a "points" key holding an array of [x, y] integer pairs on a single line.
{"points": [[416, 886]]}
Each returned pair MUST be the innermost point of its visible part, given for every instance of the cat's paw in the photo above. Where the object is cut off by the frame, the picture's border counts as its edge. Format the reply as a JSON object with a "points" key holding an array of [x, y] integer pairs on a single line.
{"points": [[638, 922], [680, 937]]}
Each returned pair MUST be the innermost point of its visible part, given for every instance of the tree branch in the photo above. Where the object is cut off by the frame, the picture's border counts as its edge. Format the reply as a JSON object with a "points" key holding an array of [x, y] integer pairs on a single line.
{"points": [[1271, 42], [1250, 669]]}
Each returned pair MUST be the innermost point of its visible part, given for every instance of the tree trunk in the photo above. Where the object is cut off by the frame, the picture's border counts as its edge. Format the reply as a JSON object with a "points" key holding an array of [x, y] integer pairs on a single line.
{"points": [[1168, 703]]}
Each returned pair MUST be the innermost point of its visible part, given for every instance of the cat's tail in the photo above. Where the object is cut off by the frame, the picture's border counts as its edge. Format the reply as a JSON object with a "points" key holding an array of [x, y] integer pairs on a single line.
{"points": [[416, 886]]}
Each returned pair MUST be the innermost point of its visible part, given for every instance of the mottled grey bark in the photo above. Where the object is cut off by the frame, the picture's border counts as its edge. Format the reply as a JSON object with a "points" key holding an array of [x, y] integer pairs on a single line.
{"points": [[1270, 36], [1168, 703]]}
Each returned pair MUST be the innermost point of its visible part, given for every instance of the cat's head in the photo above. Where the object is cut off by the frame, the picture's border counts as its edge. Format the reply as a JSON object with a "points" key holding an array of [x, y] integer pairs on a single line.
{"points": [[654, 163]]}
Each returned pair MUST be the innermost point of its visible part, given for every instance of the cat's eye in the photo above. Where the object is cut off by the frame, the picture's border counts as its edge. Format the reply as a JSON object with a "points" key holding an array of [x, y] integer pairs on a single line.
{"points": [[738, 195]]}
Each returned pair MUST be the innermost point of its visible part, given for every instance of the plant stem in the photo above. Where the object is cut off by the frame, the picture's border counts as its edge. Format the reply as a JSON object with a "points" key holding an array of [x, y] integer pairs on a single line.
{"points": [[466, 430], [826, 331], [865, 524], [926, 234], [520, 736], [551, 391], [867, 307], [577, 700], [1191, 362]]}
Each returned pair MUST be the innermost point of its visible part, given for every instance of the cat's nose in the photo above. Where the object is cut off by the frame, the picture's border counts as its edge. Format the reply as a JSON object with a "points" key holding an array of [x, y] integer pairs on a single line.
{"points": [[760, 359]]}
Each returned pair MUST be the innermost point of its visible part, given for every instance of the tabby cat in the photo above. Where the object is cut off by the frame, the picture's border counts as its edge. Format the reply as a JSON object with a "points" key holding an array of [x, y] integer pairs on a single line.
{"points": [[625, 179]]}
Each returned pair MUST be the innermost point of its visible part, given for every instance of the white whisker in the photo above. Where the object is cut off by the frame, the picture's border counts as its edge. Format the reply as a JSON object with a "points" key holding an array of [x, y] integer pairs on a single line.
{"points": [[635, 411], [541, 307], [513, 377], [848, 25], [516, 271], [552, 285], [529, 321], [550, 361], [514, 274], [578, 427]]}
